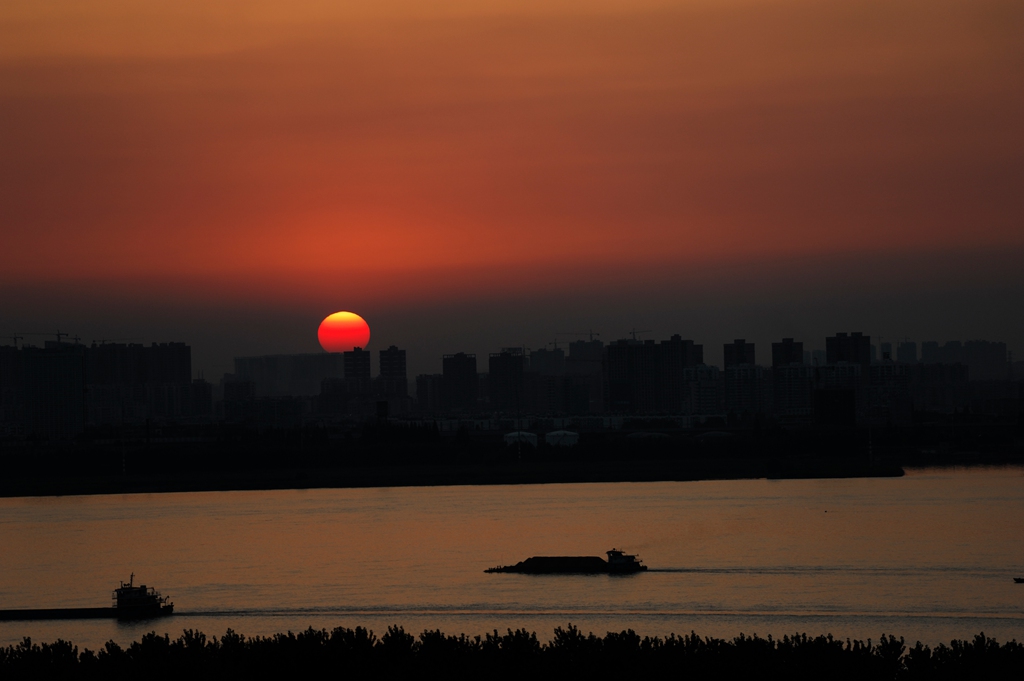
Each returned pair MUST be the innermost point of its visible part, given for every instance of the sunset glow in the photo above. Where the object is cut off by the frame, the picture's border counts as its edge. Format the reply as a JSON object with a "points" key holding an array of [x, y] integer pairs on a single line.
{"points": [[186, 142], [205, 159], [343, 331]]}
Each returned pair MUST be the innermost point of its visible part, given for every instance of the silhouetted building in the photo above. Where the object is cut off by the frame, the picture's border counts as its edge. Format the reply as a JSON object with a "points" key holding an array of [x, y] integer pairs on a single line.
{"points": [[428, 393], [134, 383], [888, 398], [460, 386], [853, 348], [952, 352], [543, 394], [357, 364], [703, 391], [57, 391], [675, 355], [632, 376], [356, 367], [746, 390], [591, 351], [392, 385], [987, 361], [906, 352], [548, 362], [284, 375], [844, 377], [393, 378], [744, 383], [941, 388], [11, 405], [53, 390], [239, 400], [202, 399], [137, 364], [585, 370], [739, 352], [787, 352], [645, 377], [505, 380], [793, 393]]}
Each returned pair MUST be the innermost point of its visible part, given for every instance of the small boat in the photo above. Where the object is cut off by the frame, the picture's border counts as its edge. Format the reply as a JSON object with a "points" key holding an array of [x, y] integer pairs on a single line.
{"points": [[618, 563], [1018, 580], [139, 602]]}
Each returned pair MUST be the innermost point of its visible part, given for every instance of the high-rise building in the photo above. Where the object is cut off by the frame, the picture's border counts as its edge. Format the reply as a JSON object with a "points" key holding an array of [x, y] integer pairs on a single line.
{"points": [[787, 352], [428, 393], [906, 352], [853, 348], [632, 376], [459, 388], [357, 379], [793, 393], [393, 379], [584, 368], [357, 364], [703, 391], [53, 390], [548, 362], [738, 352], [674, 356], [505, 380], [987, 360], [289, 375]]}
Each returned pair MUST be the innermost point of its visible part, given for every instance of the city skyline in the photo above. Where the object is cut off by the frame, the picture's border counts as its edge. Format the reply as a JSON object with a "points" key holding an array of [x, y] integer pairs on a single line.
{"points": [[66, 389], [713, 353]]}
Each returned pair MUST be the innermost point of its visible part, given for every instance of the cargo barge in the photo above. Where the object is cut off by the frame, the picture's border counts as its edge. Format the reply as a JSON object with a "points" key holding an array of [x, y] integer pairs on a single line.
{"points": [[618, 563], [130, 602]]}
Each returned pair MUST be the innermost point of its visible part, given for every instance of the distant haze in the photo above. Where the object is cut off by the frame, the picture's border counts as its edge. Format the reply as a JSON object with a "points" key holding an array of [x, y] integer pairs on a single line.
{"points": [[471, 175]]}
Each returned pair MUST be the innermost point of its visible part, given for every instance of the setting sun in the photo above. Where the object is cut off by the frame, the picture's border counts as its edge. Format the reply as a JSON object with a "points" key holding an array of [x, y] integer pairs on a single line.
{"points": [[343, 331]]}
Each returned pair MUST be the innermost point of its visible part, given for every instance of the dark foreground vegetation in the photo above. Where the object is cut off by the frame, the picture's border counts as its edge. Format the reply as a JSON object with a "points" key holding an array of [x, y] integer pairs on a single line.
{"points": [[358, 653]]}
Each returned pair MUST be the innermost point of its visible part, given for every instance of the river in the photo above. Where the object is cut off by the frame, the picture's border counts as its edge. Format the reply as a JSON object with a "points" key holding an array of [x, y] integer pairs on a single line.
{"points": [[930, 556]]}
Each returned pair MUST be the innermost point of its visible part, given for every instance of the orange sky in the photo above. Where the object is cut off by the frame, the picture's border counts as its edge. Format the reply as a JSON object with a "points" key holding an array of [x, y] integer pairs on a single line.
{"points": [[315, 143], [473, 174]]}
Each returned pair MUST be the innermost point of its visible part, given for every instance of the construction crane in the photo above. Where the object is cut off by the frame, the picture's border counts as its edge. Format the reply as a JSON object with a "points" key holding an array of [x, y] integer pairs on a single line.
{"points": [[58, 333], [635, 331]]}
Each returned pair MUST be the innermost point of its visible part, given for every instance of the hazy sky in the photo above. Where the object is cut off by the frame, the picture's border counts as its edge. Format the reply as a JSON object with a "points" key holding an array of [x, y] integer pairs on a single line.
{"points": [[474, 174]]}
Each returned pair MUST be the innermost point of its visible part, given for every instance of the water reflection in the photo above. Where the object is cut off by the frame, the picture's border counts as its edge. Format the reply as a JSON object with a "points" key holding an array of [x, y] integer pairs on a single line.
{"points": [[930, 556]]}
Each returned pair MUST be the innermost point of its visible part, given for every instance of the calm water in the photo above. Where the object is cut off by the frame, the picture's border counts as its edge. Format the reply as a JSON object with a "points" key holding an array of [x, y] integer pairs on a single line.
{"points": [[930, 556]]}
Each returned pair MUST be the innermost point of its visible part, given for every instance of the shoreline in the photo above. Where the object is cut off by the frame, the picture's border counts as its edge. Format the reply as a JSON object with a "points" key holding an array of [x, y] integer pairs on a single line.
{"points": [[410, 475]]}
